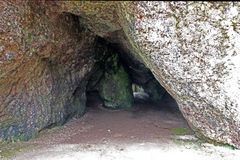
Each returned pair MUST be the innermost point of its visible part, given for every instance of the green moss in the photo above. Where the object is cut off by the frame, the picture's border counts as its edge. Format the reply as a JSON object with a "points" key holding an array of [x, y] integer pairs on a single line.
{"points": [[9, 150], [229, 146], [180, 131], [115, 86], [25, 137], [115, 89]]}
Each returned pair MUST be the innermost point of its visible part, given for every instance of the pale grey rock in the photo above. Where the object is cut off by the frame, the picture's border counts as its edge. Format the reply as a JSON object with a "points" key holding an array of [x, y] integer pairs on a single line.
{"points": [[193, 50]]}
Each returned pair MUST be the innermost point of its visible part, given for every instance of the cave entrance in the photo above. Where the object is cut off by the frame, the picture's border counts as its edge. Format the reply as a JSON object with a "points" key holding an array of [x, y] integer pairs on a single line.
{"points": [[145, 122], [126, 103], [123, 99]]}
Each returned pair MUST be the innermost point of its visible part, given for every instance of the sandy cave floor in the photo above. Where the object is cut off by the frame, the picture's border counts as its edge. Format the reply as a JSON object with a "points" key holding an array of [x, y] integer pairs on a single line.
{"points": [[146, 132]]}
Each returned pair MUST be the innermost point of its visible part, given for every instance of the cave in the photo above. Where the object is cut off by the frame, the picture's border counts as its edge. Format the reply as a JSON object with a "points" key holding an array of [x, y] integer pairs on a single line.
{"points": [[110, 68], [120, 93], [98, 73]]}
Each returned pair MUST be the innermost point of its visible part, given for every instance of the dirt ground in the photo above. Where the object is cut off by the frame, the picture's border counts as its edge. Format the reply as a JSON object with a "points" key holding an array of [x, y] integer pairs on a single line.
{"points": [[146, 132]]}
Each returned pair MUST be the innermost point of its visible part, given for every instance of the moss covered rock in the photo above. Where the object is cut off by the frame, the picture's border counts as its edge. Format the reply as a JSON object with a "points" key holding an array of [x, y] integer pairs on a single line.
{"points": [[110, 78], [115, 86], [115, 89]]}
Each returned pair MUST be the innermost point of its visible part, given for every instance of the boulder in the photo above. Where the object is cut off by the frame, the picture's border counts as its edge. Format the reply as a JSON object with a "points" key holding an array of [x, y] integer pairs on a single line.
{"points": [[111, 80], [154, 90], [192, 48], [115, 88]]}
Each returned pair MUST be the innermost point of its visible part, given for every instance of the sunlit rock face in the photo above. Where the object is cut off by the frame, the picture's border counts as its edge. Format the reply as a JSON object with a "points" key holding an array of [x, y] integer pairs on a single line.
{"points": [[193, 50]]}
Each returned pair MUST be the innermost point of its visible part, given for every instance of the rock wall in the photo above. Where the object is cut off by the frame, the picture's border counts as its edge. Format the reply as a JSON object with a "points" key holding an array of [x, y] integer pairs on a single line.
{"points": [[44, 57], [193, 50]]}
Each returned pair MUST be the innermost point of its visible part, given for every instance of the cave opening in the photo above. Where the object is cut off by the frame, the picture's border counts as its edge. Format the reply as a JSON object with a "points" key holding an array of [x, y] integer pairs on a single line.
{"points": [[95, 75], [126, 103], [119, 97], [97, 91]]}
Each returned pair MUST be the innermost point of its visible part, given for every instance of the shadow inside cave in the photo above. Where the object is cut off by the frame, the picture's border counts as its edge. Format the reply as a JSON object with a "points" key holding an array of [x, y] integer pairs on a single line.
{"points": [[125, 103], [146, 121]]}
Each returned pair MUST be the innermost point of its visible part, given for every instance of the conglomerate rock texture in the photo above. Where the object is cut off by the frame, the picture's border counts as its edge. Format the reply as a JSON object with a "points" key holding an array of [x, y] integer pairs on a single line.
{"points": [[191, 48]]}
